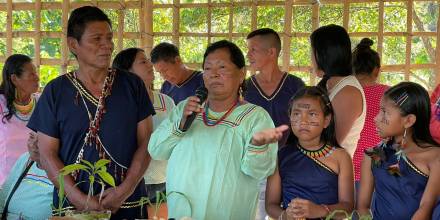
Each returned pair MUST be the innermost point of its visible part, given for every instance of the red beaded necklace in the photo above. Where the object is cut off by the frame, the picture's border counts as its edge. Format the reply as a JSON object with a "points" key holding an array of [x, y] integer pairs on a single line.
{"points": [[216, 122]]}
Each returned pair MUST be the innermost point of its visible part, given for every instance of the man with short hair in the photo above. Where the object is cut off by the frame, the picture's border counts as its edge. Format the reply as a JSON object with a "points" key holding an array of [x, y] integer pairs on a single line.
{"points": [[180, 82], [270, 88], [95, 113]]}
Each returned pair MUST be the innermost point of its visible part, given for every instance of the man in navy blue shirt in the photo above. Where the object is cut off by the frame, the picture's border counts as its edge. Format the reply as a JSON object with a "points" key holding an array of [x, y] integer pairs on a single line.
{"points": [[270, 88], [95, 113], [180, 82]]}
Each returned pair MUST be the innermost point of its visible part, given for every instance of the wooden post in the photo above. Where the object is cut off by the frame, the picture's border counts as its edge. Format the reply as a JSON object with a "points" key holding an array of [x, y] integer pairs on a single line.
{"points": [[346, 14], [148, 27], [37, 38], [437, 53], [408, 39], [176, 22], [142, 23], [380, 31], [121, 24], [209, 21], [9, 28], [231, 20], [287, 34], [254, 15], [315, 25], [64, 49]]}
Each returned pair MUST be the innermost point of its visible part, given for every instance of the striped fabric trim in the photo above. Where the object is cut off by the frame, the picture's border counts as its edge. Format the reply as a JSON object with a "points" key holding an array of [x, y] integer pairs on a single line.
{"points": [[275, 93], [161, 104], [257, 149], [176, 131], [38, 180], [321, 164], [413, 167], [81, 89], [229, 123]]}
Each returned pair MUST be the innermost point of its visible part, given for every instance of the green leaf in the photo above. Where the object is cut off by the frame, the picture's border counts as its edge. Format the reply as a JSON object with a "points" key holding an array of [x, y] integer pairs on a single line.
{"points": [[73, 167], [60, 192], [87, 163], [106, 177], [100, 163]]}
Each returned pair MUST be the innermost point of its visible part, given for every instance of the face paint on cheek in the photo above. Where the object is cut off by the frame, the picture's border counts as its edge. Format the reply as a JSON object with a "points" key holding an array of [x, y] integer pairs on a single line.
{"points": [[314, 123], [295, 121], [385, 121]]}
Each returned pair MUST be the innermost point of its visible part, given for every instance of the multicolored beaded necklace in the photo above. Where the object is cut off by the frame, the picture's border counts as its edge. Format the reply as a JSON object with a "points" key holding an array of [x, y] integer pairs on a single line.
{"points": [[323, 151], [216, 122], [24, 112]]}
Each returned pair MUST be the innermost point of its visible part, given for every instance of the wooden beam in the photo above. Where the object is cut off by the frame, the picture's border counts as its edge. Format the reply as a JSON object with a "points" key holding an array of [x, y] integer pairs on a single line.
{"points": [[287, 34], [121, 24], [408, 39], [176, 22], [315, 25], [380, 29], [148, 27], [9, 28], [37, 39], [64, 49], [437, 49]]}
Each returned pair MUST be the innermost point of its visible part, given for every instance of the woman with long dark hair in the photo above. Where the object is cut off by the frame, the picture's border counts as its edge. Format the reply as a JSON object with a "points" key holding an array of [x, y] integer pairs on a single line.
{"points": [[403, 173], [135, 60], [331, 60], [17, 102]]}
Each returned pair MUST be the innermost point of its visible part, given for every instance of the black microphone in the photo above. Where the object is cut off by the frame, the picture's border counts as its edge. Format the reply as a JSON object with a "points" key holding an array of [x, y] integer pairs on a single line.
{"points": [[202, 94]]}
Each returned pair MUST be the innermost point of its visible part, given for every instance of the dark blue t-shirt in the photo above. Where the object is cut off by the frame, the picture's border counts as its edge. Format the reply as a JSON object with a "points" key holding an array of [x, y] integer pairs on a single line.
{"points": [[62, 114], [185, 89], [276, 104]]}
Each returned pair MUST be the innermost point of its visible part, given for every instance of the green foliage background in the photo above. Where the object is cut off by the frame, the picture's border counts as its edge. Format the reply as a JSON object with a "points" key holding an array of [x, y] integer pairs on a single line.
{"points": [[364, 17]]}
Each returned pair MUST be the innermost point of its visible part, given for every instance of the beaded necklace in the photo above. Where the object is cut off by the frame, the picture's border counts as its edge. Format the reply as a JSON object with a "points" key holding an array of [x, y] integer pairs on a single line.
{"points": [[216, 122], [24, 112], [323, 151], [92, 136]]}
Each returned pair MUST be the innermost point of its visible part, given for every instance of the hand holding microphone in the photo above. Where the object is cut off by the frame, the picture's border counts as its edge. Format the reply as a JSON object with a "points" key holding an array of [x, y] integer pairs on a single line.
{"points": [[192, 108]]}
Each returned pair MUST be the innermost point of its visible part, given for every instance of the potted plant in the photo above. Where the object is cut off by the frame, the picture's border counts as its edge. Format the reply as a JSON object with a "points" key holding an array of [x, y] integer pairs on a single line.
{"points": [[97, 174]]}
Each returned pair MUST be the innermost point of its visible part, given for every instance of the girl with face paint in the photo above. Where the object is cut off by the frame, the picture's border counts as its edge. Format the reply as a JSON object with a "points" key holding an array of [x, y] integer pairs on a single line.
{"points": [[314, 175], [404, 170]]}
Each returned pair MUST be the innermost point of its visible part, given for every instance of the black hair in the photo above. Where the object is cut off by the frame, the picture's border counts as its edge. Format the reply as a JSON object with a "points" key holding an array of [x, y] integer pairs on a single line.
{"points": [[125, 59], [164, 52], [412, 98], [80, 17], [270, 35], [13, 65], [328, 135], [331, 47], [365, 59], [236, 56]]}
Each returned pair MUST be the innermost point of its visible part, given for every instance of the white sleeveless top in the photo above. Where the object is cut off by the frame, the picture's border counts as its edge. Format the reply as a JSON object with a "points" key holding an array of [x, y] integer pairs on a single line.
{"points": [[351, 140]]}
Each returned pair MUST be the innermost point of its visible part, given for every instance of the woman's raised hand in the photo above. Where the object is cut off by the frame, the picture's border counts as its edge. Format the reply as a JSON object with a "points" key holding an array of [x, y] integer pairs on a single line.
{"points": [[268, 136]]}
